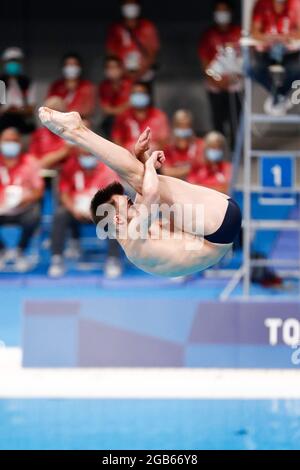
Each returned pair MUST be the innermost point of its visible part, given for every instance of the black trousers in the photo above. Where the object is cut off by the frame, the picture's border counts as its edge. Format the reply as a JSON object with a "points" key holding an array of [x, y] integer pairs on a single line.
{"points": [[107, 125], [64, 221], [226, 110], [29, 221], [258, 70]]}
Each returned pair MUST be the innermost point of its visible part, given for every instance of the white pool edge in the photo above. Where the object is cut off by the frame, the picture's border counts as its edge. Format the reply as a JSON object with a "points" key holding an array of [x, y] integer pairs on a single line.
{"points": [[212, 384]]}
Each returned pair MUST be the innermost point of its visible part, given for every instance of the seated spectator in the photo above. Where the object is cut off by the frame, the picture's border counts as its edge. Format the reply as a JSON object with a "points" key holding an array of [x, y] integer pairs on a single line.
{"points": [[185, 153], [81, 177], [275, 63], [48, 148], [219, 52], [114, 93], [216, 171], [78, 94], [18, 111], [21, 189], [140, 115], [135, 41]]}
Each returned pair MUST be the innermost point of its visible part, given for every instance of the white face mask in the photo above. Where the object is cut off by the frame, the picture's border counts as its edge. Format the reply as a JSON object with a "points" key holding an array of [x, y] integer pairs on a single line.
{"points": [[71, 71], [131, 11], [10, 149], [222, 17]]}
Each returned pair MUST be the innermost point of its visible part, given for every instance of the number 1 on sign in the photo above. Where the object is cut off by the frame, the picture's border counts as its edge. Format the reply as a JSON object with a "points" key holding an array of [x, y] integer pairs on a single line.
{"points": [[277, 174]]}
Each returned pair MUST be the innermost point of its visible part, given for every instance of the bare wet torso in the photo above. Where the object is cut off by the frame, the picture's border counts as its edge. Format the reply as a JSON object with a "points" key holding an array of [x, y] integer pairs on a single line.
{"points": [[173, 255]]}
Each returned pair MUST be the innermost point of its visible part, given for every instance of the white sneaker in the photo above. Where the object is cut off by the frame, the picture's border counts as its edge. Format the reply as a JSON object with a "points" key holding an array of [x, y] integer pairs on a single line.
{"points": [[113, 268], [73, 250], [11, 255], [57, 268], [22, 263], [277, 109]]}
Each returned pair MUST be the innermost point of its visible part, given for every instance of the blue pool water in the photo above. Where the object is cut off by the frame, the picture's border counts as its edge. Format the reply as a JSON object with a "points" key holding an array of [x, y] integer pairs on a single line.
{"points": [[149, 424]]}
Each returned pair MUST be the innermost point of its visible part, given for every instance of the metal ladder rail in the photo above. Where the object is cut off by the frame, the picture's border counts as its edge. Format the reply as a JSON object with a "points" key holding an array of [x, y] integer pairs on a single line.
{"points": [[250, 224], [250, 118]]}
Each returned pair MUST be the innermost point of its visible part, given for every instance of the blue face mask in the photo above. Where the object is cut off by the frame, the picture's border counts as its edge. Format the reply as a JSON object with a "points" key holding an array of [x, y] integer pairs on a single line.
{"points": [[88, 162], [140, 100], [10, 149], [183, 133], [214, 155], [13, 68]]}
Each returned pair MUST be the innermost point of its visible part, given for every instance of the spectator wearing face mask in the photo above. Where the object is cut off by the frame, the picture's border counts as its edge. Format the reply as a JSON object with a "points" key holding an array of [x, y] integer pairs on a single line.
{"points": [[215, 172], [18, 111], [114, 92], [21, 189], [275, 62], [78, 94], [81, 177], [219, 53], [135, 41], [185, 153], [140, 115], [49, 149]]}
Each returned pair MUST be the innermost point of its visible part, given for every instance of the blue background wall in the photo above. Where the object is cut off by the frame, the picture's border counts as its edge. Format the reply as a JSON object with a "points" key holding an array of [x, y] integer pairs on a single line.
{"points": [[121, 331]]}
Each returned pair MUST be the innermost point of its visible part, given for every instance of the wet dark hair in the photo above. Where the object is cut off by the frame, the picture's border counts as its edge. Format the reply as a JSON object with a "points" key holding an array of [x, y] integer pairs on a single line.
{"points": [[103, 196]]}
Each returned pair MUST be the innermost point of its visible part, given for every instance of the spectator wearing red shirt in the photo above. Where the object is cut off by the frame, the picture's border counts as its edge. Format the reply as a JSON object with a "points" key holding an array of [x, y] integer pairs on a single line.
{"points": [[215, 172], [49, 149], [140, 115], [114, 93], [275, 63], [21, 189], [20, 100], [135, 41], [185, 153], [81, 177], [78, 94], [224, 83]]}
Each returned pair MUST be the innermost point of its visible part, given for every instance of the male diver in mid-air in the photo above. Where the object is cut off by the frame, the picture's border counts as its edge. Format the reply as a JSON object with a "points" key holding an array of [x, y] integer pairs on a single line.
{"points": [[174, 249]]}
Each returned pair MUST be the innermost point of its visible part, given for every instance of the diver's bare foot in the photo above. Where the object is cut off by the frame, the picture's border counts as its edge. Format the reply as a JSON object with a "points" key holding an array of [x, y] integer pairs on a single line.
{"points": [[143, 144], [62, 124]]}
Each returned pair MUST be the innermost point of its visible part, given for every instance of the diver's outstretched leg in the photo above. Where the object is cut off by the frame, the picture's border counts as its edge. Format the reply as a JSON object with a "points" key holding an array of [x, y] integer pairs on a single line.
{"points": [[70, 127]]}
